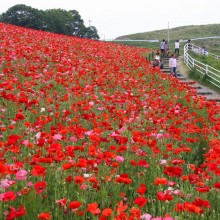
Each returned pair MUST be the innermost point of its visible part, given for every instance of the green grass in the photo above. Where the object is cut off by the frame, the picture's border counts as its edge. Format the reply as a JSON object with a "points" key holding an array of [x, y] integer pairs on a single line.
{"points": [[212, 45], [209, 60], [183, 32], [150, 45]]}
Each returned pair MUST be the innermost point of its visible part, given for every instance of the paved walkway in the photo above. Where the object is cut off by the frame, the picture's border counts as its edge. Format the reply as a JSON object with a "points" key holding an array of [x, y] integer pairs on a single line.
{"points": [[211, 94], [202, 90]]}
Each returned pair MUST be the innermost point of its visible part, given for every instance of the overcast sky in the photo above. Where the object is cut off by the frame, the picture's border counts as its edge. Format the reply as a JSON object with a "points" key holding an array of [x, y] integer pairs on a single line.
{"points": [[119, 17]]}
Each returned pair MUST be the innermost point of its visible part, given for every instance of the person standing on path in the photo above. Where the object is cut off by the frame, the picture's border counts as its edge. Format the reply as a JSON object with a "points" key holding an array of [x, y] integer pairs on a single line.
{"points": [[162, 49], [173, 65], [166, 48], [177, 48]]}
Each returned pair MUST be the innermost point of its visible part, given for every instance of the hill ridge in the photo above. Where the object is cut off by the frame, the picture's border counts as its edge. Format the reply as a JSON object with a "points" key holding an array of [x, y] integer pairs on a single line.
{"points": [[181, 32]]}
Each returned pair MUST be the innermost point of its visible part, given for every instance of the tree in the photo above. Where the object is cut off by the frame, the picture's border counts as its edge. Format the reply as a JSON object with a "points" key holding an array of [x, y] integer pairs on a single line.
{"points": [[77, 24], [24, 16], [53, 20], [80, 30], [57, 21], [91, 32]]}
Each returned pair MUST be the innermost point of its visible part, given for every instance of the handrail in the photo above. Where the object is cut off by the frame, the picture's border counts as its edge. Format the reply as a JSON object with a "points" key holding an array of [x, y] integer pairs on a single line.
{"points": [[209, 73]]}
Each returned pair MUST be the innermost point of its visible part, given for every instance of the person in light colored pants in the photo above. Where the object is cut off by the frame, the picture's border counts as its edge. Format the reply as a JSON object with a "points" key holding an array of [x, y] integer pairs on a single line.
{"points": [[173, 65]]}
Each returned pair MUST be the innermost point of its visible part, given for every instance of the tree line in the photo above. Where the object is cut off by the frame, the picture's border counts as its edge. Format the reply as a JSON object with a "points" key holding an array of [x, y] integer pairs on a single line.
{"points": [[53, 20]]}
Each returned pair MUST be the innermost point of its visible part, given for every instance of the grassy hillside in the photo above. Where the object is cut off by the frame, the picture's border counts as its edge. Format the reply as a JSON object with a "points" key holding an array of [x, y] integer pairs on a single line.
{"points": [[184, 32], [212, 45], [89, 130]]}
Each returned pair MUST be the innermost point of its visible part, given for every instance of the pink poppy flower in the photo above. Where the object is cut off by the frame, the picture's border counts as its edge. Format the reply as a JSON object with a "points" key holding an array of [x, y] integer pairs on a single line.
{"points": [[21, 175], [5, 183], [25, 142], [120, 159], [146, 217], [57, 137], [74, 139]]}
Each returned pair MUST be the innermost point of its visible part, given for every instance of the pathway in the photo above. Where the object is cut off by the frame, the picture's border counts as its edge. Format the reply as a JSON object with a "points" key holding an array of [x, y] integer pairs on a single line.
{"points": [[184, 78]]}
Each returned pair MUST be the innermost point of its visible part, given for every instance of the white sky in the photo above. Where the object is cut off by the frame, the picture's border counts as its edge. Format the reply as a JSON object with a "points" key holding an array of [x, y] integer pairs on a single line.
{"points": [[119, 17]]}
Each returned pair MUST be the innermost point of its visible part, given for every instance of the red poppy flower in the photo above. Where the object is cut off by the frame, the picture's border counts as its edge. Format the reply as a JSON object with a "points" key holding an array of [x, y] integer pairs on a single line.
{"points": [[3, 169], [79, 179], [19, 116], [201, 203], [142, 189], [121, 207], [61, 202], [74, 205], [69, 179], [67, 166], [40, 187], [13, 213], [217, 185], [203, 189], [141, 201], [38, 171], [107, 212], [93, 208], [192, 208], [173, 171], [135, 213], [13, 139], [164, 196], [8, 196], [45, 216], [160, 181]]}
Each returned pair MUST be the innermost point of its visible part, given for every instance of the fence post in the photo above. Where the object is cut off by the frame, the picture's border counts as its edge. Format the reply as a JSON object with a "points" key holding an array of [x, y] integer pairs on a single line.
{"points": [[184, 54], [193, 63], [187, 59], [206, 69], [152, 55]]}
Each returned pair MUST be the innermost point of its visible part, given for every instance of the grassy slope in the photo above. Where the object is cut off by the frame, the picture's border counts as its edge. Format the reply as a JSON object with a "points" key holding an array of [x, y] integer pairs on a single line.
{"points": [[184, 32]]}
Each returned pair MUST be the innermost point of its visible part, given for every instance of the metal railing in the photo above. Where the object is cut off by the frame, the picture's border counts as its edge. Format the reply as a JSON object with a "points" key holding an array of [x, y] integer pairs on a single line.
{"points": [[209, 73]]}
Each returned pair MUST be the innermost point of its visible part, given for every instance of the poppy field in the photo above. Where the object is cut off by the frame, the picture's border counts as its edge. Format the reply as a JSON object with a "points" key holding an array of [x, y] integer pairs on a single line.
{"points": [[89, 130]]}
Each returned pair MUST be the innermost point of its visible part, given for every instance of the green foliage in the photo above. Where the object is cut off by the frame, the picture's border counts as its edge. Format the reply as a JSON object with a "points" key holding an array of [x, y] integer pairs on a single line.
{"points": [[58, 21], [193, 74], [53, 20], [152, 45], [25, 16], [77, 24]]}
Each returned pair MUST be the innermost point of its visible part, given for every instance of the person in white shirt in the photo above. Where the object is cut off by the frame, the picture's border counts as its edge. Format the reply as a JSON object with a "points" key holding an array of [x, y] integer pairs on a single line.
{"points": [[173, 65], [156, 61], [177, 48]]}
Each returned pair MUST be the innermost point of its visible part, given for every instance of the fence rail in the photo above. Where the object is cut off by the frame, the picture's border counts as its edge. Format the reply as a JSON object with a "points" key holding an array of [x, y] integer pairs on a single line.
{"points": [[209, 73]]}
